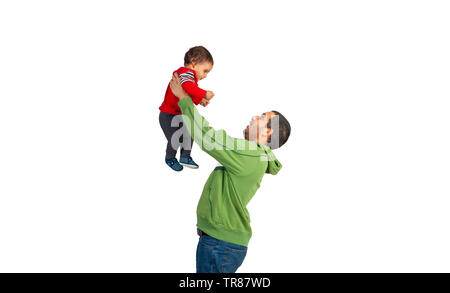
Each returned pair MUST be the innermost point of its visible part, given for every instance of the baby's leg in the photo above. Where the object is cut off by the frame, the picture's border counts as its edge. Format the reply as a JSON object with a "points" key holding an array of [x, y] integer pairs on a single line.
{"points": [[186, 142], [165, 120]]}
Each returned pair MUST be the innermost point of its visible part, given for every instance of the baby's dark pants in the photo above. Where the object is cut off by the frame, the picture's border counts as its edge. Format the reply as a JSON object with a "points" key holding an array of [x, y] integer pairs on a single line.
{"points": [[181, 135]]}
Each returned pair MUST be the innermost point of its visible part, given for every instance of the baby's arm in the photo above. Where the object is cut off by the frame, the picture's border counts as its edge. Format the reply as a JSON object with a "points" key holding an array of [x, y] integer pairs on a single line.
{"points": [[189, 86], [205, 101]]}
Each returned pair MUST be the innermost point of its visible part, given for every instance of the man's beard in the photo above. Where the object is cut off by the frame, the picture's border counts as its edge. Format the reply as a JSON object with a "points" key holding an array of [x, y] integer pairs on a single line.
{"points": [[246, 134], [251, 136]]}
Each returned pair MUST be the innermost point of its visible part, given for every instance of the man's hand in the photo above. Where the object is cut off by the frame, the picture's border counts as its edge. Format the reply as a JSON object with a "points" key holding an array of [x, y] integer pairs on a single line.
{"points": [[176, 88], [209, 95], [204, 102]]}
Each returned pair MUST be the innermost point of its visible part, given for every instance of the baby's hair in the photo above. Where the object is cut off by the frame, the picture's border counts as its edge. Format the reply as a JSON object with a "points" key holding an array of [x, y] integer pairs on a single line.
{"points": [[198, 54]]}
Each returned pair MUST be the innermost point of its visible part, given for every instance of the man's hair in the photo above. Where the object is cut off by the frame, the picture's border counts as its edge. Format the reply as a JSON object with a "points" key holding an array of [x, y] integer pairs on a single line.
{"points": [[282, 132], [198, 54]]}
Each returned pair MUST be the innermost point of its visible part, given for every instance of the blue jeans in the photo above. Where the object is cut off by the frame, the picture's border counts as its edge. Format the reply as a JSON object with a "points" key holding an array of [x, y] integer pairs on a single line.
{"points": [[217, 256]]}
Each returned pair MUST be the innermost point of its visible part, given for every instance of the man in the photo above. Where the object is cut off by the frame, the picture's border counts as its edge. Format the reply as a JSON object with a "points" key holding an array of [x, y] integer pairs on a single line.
{"points": [[223, 221]]}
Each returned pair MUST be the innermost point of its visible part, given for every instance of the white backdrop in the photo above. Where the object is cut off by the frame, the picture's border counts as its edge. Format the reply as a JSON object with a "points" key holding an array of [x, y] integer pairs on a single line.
{"points": [[365, 179]]}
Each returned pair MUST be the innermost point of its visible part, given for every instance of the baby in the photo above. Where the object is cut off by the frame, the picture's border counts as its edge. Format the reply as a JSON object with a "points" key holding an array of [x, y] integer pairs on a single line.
{"points": [[198, 62]]}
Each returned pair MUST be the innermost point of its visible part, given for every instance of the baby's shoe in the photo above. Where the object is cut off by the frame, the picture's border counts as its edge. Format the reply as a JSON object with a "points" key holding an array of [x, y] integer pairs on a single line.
{"points": [[173, 163], [188, 162]]}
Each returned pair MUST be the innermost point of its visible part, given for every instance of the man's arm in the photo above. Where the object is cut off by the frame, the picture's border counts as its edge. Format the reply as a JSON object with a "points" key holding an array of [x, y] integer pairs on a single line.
{"points": [[218, 144]]}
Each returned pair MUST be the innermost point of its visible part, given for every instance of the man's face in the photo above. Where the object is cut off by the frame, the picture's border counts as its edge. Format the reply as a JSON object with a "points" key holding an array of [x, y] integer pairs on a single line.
{"points": [[257, 129], [202, 69]]}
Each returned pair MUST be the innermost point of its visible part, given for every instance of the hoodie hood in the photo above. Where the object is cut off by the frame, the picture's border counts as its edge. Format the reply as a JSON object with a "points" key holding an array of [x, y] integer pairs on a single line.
{"points": [[273, 165]]}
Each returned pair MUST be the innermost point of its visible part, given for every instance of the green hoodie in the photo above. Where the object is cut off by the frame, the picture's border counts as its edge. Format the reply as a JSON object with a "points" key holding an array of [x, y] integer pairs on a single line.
{"points": [[221, 211]]}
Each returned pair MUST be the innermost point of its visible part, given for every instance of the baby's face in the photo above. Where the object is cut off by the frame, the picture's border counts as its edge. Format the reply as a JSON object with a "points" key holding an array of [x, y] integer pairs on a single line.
{"points": [[202, 69]]}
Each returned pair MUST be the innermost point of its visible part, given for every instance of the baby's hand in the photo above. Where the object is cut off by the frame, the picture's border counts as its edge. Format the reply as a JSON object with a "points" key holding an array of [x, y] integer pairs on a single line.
{"points": [[209, 95], [204, 102]]}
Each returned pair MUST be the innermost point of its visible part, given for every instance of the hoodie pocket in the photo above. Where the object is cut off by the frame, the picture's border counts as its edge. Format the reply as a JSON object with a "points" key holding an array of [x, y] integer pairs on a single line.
{"points": [[237, 199], [243, 208]]}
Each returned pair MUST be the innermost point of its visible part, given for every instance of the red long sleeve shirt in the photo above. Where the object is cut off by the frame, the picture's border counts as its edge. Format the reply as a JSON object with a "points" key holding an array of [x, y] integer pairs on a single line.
{"points": [[188, 81]]}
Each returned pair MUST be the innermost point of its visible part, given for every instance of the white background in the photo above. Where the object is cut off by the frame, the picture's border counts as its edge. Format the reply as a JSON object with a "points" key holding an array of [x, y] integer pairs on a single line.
{"points": [[365, 179]]}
